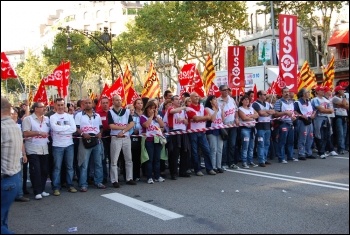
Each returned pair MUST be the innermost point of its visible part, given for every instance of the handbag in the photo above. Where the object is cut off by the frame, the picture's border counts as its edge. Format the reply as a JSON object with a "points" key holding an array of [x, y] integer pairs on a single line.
{"points": [[90, 143], [223, 134]]}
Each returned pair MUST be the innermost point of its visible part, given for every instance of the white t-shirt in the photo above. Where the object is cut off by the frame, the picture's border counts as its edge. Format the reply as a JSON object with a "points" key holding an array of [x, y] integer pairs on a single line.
{"points": [[62, 128]]}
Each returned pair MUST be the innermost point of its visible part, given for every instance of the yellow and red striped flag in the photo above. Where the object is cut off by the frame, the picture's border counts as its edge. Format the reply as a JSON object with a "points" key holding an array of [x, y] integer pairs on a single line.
{"points": [[307, 78], [209, 73], [30, 97], [151, 89], [127, 83], [329, 74]]}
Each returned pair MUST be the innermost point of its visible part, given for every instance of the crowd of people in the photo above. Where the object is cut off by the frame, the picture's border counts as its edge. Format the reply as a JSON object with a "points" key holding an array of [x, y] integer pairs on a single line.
{"points": [[69, 142]]}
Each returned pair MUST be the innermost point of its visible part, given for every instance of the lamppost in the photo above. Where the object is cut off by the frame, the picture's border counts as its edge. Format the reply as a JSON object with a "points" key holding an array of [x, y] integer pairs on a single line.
{"points": [[104, 40]]}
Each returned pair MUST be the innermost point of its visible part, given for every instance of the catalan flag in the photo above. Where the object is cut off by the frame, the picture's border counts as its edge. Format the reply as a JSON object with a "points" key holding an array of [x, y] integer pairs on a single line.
{"points": [[151, 89], [30, 97], [127, 83], [307, 78], [209, 73], [328, 73]]}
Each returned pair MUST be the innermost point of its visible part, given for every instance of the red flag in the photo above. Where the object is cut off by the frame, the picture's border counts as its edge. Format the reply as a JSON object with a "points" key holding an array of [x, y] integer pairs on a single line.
{"points": [[255, 93], [198, 84], [187, 73], [116, 89], [103, 94], [214, 90], [65, 82], [279, 84], [269, 90], [59, 78], [6, 69], [41, 95], [132, 96]]}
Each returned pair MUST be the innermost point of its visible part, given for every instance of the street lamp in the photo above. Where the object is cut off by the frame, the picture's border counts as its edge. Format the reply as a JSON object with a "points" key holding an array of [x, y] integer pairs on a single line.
{"points": [[104, 40]]}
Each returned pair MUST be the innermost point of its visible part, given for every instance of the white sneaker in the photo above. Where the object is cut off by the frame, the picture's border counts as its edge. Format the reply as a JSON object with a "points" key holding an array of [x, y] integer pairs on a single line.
{"points": [[323, 156], [333, 153], [45, 194], [160, 179], [326, 154], [150, 181], [284, 162], [38, 197]]}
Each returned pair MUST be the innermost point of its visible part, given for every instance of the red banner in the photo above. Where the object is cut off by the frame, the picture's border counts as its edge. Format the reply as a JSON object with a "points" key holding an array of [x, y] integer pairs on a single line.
{"points": [[186, 75], [288, 63], [132, 96], [235, 65]]}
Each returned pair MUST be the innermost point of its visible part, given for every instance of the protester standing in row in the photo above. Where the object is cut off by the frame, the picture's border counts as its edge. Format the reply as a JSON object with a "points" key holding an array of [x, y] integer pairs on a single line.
{"points": [[36, 128], [11, 150]]}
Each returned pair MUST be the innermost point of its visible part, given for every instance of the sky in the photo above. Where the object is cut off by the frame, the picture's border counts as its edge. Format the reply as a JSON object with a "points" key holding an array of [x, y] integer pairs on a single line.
{"points": [[20, 21]]}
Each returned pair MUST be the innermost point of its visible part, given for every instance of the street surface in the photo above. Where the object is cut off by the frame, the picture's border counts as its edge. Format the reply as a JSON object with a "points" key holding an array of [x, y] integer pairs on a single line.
{"points": [[299, 197]]}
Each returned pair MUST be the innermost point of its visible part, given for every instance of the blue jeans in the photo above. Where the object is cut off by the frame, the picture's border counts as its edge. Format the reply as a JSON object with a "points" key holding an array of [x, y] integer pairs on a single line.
{"points": [[305, 138], [200, 140], [285, 141], [263, 145], [247, 138], [9, 190], [229, 155], [58, 154], [325, 134], [340, 131], [215, 143], [96, 155], [153, 164]]}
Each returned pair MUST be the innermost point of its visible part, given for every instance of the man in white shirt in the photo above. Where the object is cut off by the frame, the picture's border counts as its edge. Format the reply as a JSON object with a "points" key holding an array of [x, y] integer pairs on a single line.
{"points": [[89, 125], [120, 122], [62, 127], [229, 154]]}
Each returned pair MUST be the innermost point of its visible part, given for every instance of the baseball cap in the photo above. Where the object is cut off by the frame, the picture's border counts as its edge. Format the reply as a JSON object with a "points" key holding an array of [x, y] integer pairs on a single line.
{"points": [[326, 89], [320, 88], [338, 88]]}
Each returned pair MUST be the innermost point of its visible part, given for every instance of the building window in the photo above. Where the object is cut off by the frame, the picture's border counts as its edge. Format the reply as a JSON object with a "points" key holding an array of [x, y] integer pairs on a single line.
{"points": [[99, 27], [86, 27], [98, 14], [86, 16], [124, 11]]}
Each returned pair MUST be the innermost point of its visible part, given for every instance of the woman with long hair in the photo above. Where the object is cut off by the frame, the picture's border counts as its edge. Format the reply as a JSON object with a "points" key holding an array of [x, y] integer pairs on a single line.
{"points": [[213, 136], [151, 125], [247, 116]]}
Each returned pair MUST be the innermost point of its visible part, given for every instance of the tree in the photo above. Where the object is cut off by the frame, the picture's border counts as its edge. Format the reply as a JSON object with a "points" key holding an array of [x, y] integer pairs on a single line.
{"points": [[185, 30], [312, 16], [85, 58]]}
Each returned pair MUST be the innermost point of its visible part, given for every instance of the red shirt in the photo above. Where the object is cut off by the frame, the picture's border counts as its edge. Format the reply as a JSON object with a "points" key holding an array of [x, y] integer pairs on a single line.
{"points": [[104, 118]]}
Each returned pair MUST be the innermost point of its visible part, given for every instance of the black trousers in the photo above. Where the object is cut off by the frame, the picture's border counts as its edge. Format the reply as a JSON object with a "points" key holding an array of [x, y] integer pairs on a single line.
{"points": [[38, 170]]}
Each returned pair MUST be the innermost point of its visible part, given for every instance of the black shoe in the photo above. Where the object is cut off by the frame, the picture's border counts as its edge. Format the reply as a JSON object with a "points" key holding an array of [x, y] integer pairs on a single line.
{"points": [[25, 192], [311, 157], [104, 181], [129, 182], [220, 170], [22, 199], [116, 185], [173, 177], [302, 158], [185, 175], [267, 163], [262, 165]]}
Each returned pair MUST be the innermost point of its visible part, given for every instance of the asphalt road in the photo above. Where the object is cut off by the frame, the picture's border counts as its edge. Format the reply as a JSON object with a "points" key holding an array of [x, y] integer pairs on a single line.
{"points": [[299, 197]]}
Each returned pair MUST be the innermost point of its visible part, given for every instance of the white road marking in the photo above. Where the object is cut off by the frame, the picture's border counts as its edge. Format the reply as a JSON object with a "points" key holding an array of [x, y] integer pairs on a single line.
{"points": [[342, 158], [143, 206], [291, 179]]}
